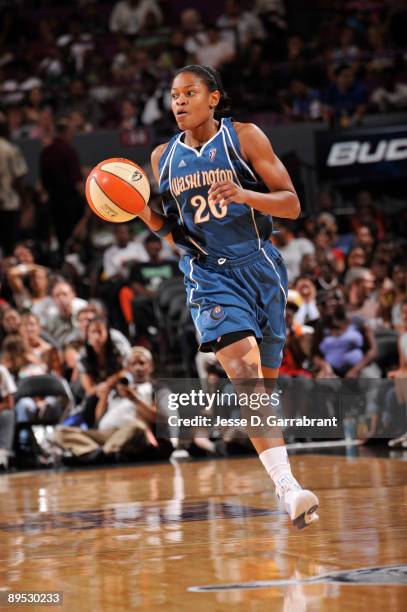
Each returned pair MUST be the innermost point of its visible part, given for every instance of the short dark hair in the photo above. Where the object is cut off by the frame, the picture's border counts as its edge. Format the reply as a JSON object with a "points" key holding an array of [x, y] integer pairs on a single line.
{"points": [[152, 238], [213, 80]]}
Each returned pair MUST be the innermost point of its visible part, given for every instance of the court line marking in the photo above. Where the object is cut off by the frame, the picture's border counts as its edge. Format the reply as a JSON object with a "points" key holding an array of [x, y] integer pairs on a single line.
{"points": [[332, 577]]}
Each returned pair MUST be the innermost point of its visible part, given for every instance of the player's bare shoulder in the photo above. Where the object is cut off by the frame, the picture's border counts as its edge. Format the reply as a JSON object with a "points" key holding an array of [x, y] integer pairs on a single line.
{"points": [[252, 139], [247, 130], [156, 156], [158, 151]]}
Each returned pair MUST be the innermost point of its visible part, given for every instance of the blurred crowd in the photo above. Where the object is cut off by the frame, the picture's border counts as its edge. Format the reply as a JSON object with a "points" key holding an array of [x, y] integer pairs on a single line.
{"points": [[106, 64], [84, 327], [93, 315]]}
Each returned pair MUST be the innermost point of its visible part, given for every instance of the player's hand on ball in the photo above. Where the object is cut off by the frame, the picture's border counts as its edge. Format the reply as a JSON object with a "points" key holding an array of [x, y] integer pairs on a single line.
{"points": [[226, 192]]}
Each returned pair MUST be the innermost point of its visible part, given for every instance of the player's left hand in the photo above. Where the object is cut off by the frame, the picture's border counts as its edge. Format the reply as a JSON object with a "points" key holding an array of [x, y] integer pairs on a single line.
{"points": [[226, 192]]}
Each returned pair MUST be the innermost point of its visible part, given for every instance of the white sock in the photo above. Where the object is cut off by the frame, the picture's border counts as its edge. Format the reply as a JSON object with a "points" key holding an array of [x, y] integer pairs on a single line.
{"points": [[275, 460]]}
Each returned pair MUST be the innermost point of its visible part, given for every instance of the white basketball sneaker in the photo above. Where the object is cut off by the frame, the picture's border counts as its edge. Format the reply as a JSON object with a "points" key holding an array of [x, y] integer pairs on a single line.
{"points": [[400, 441], [300, 504]]}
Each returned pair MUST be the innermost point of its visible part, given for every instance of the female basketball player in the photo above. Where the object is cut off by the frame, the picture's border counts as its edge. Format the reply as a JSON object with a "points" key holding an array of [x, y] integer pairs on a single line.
{"points": [[221, 183]]}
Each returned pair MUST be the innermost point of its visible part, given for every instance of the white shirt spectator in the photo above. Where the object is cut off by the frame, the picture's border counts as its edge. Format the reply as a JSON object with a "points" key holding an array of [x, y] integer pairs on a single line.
{"points": [[128, 17], [12, 167], [397, 98], [60, 328], [248, 26], [121, 411], [307, 311], [293, 252], [115, 258], [7, 384], [195, 41], [42, 308], [215, 54]]}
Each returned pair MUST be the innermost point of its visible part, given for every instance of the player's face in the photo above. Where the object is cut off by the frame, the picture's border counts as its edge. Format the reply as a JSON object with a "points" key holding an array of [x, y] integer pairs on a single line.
{"points": [[192, 101]]}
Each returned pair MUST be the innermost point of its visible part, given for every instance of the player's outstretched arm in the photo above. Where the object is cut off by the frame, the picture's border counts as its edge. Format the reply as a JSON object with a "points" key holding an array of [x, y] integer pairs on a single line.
{"points": [[282, 201], [154, 220]]}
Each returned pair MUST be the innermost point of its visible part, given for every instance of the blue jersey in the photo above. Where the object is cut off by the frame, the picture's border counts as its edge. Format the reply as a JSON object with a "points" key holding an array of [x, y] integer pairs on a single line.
{"points": [[186, 175]]}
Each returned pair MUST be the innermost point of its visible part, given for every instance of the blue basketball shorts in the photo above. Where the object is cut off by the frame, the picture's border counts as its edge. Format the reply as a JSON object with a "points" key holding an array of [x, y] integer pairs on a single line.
{"points": [[248, 293]]}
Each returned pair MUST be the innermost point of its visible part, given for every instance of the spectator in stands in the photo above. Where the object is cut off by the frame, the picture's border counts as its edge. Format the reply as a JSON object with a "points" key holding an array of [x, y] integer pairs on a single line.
{"points": [[7, 390], [43, 351], [28, 354], [242, 28], [292, 249], [399, 277], [126, 415], [14, 116], [173, 55], [12, 170], [80, 101], [71, 371], [215, 51], [75, 264], [23, 254], [128, 16], [145, 279], [381, 58], [340, 243], [356, 258], [61, 176], [61, 318], [365, 238], [76, 44], [35, 104], [307, 311], [19, 360], [118, 259], [296, 65], [344, 348], [390, 95], [101, 361], [129, 116], [10, 322], [325, 250], [84, 317], [348, 51], [301, 102], [361, 285], [345, 99], [327, 277], [28, 283], [45, 128], [155, 103], [192, 27], [309, 266]]}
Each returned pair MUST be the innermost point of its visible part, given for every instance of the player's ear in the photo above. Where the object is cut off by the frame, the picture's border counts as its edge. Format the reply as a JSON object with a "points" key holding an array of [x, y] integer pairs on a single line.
{"points": [[214, 97]]}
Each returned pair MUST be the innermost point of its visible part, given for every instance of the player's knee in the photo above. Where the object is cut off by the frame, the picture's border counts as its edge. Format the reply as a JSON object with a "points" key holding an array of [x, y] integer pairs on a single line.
{"points": [[246, 370]]}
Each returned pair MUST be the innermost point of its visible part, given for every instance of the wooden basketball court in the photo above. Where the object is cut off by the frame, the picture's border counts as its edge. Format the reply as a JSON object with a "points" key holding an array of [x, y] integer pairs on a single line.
{"points": [[204, 536]]}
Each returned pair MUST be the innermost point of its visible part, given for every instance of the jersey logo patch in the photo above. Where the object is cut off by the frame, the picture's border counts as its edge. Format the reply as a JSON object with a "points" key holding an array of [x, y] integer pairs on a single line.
{"points": [[211, 318], [212, 154], [181, 164], [217, 313]]}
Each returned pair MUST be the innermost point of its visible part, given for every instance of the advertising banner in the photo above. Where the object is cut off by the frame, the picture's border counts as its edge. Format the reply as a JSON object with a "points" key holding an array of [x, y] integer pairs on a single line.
{"points": [[365, 154]]}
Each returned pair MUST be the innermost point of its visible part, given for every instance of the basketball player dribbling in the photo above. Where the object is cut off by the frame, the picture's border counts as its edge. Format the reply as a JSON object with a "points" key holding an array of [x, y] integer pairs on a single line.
{"points": [[221, 183]]}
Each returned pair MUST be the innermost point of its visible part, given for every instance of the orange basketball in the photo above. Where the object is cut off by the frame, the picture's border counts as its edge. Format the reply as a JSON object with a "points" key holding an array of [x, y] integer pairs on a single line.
{"points": [[117, 190]]}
